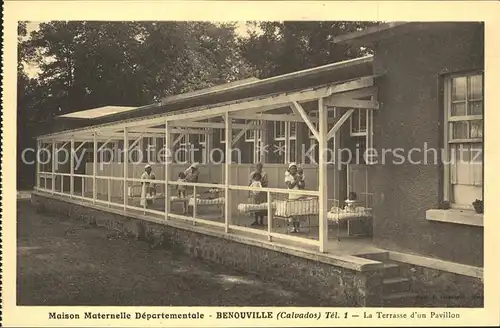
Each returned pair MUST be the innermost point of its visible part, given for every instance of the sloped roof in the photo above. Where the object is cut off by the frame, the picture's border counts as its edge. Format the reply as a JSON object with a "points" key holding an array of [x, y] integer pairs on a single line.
{"points": [[97, 112]]}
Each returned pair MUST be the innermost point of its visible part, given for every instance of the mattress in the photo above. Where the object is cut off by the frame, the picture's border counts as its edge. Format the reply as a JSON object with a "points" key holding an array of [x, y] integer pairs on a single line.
{"points": [[298, 207], [179, 199], [341, 215], [205, 201], [246, 208]]}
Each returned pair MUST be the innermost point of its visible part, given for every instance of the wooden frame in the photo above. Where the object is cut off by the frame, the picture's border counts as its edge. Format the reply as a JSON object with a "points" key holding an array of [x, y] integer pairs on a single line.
{"points": [[189, 122], [448, 130]]}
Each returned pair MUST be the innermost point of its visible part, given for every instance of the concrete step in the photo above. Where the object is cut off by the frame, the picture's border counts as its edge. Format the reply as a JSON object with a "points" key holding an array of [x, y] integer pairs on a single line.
{"points": [[391, 270], [396, 285], [375, 256], [406, 299]]}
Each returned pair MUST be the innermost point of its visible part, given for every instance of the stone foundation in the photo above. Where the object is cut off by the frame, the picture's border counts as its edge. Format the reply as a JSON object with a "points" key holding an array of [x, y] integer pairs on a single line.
{"points": [[436, 288], [332, 285]]}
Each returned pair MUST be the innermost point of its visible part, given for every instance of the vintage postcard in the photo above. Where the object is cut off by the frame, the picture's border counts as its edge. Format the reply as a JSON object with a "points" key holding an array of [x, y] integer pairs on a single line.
{"points": [[215, 163]]}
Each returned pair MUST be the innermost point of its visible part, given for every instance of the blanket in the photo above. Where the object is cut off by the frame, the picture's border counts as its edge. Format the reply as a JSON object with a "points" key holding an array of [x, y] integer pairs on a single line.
{"points": [[299, 207]]}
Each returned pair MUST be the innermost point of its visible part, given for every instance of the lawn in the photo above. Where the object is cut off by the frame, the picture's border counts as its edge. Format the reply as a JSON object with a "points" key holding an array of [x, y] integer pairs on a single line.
{"points": [[63, 261]]}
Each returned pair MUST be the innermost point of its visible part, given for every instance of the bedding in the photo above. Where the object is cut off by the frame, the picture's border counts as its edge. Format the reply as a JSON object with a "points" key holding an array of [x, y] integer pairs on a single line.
{"points": [[181, 199], [246, 208], [298, 207], [205, 201], [337, 215]]}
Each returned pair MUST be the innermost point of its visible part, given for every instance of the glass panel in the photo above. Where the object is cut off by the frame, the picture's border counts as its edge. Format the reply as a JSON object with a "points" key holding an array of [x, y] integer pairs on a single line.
{"points": [[459, 86], [355, 121], [293, 151], [222, 135], [293, 129], [279, 152], [277, 129], [475, 87], [476, 153], [182, 153], [476, 107], [476, 129], [462, 153], [362, 122], [460, 130], [458, 109], [313, 115], [249, 134]]}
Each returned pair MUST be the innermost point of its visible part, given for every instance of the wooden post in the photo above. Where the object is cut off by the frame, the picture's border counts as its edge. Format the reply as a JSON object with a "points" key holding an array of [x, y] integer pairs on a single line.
{"points": [[72, 169], [125, 168], [206, 155], [323, 180], [269, 216], [264, 137], [287, 142], [53, 166], [167, 159], [195, 207], [227, 180], [37, 159], [337, 166], [94, 171]]}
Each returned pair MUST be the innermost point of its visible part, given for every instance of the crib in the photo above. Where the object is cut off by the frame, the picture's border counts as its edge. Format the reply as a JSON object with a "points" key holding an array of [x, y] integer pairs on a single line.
{"points": [[337, 215], [134, 193], [212, 198], [301, 209]]}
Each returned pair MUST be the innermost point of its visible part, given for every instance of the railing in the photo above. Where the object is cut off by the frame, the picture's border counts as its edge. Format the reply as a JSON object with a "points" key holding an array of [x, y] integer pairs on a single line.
{"points": [[92, 197]]}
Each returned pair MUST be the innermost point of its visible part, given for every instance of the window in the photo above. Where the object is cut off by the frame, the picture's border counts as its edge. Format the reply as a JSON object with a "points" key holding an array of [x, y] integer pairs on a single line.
{"points": [[358, 122], [182, 151], [332, 113], [192, 148], [463, 139], [285, 152], [222, 136], [312, 156], [250, 132], [280, 130], [148, 149]]}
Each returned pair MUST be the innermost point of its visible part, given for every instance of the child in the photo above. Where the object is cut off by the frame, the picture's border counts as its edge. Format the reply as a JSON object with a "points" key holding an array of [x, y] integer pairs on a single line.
{"points": [[181, 189], [300, 177], [148, 189], [259, 197], [214, 192]]}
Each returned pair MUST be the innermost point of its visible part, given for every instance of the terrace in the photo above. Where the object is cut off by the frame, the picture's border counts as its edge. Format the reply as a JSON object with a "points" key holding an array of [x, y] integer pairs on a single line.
{"points": [[109, 178]]}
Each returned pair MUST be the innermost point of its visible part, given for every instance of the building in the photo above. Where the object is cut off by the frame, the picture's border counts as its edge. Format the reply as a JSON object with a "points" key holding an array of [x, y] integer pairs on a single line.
{"points": [[422, 88]]}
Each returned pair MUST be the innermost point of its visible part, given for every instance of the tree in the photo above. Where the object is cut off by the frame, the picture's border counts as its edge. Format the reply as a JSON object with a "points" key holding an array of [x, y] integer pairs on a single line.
{"points": [[90, 64], [274, 48]]}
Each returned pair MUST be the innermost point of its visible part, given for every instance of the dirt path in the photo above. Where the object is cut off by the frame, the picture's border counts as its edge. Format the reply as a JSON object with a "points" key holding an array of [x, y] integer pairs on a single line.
{"points": [[61, 261]]}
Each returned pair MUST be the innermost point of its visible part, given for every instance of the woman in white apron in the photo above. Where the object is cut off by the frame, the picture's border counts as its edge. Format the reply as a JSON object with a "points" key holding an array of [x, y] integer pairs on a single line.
{"points": [[148, 189], [294, 181]]}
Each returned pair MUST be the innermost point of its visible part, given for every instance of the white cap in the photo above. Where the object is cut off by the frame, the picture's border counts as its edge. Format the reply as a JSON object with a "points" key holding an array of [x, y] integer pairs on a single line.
{"points": [[147, 165], [292, 164]]}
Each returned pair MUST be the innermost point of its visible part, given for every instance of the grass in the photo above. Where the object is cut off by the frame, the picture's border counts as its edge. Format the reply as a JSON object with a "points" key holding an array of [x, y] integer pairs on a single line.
{"points": [[63, 261]]}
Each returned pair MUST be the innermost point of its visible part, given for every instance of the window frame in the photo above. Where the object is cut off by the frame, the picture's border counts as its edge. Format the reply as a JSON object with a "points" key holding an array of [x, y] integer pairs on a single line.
{"points": [[359, 132], [332, 113], [450, 141], [287, 138]]}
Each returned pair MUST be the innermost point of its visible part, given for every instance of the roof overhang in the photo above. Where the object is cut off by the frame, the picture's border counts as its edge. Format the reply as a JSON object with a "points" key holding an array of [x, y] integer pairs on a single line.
{"points": [[251, 107], [95, 113], [371, 35]]}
